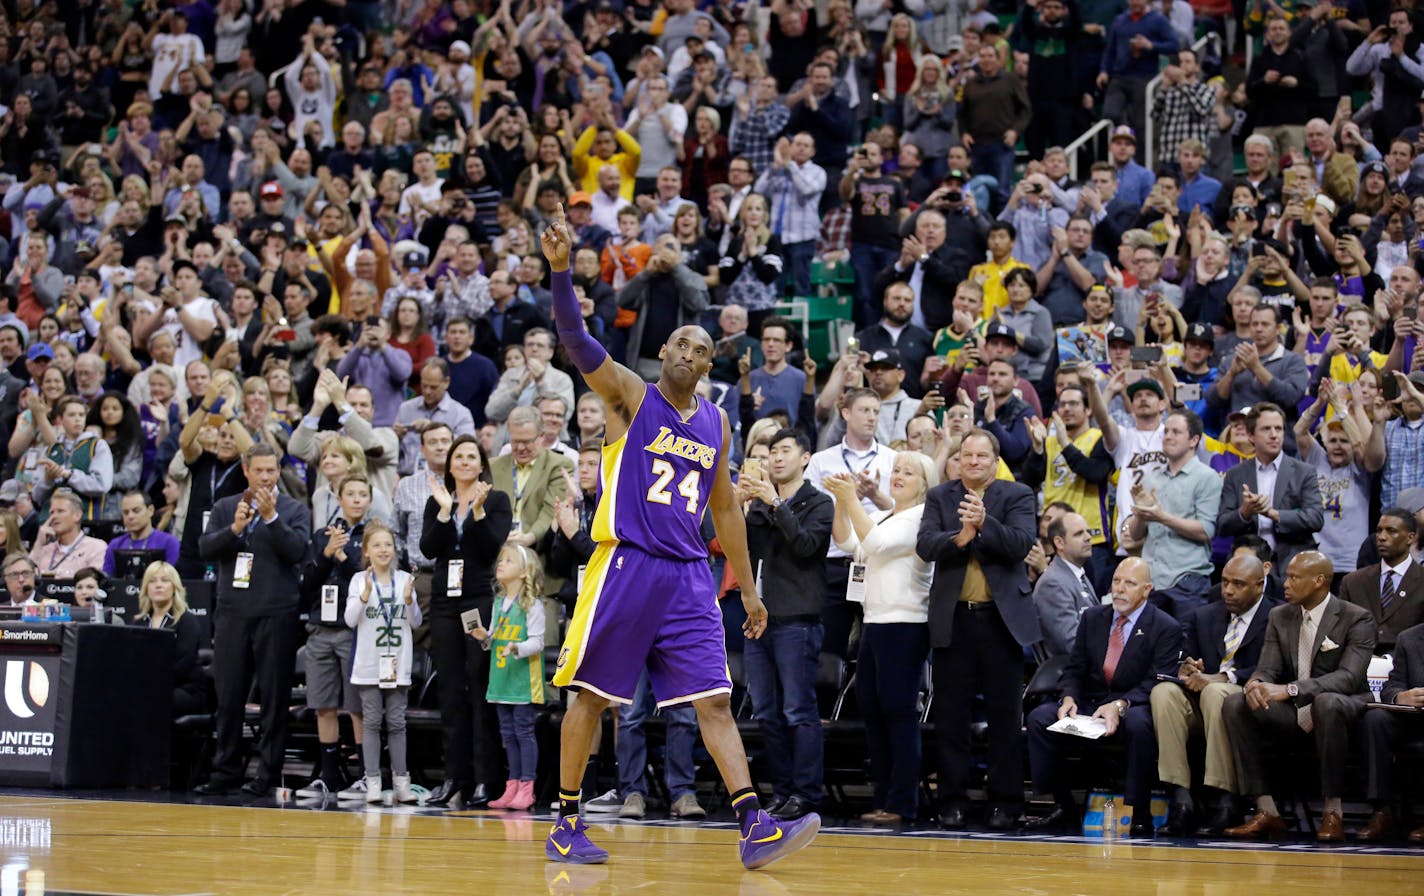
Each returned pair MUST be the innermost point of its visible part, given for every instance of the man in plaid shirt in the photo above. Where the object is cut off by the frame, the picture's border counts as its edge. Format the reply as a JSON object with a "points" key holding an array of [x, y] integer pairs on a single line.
{"points": [[757, 124], [792, 186], [1184, 109]]}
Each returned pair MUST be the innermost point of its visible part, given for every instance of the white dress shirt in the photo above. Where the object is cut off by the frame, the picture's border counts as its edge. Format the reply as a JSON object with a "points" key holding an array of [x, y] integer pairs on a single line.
{"points": [[1266, 485]]}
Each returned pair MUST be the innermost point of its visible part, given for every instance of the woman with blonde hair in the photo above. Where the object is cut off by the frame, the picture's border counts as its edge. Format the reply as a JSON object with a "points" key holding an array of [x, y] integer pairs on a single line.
{"points": [[340, 457], [752, 264], [899, 61], [163, 605], [929, 116], [698, 252], [895, 639]]}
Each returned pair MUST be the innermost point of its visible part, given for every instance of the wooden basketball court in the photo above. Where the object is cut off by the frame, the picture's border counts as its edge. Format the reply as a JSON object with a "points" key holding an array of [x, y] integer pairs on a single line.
{"points": [[67, 845]]}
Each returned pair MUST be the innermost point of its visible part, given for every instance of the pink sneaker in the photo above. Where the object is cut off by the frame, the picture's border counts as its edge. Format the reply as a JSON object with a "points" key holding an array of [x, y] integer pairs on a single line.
{"points": [[524, 797], [511, 790]]}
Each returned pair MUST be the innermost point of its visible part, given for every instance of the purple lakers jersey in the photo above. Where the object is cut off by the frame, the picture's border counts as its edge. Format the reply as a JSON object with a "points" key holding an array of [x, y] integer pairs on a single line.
{"points": [[655, 481]]}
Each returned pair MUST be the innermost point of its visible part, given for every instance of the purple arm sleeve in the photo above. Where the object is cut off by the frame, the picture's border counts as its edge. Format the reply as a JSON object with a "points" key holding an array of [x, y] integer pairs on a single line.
{"points": [[585, 351]]}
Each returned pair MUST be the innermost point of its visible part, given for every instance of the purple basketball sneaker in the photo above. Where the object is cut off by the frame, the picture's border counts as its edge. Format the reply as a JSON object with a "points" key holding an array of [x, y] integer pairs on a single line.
{"points": [[568, 842], [768, 839]]}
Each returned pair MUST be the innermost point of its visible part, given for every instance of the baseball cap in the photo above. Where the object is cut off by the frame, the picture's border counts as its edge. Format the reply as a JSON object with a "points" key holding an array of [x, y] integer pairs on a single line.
{"points": [[271, 190], [10, 492], [1124, 132], [1411, 499], [1200, 332], [1375, 167], [655, 50], [1121, 334], [175, 218], [1001, 331], [1417, 378], [40, 350], [1242, 414], [884, 357], [579, 197], [460, 46], [184, 264], [956, 174], [41, 157], [605, 6], [1146, 382], [411, 260]]}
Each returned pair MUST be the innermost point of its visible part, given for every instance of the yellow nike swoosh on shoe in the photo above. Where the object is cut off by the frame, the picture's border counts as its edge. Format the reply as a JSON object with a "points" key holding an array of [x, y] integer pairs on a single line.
{"points": [[564, 850], [773, 837]]}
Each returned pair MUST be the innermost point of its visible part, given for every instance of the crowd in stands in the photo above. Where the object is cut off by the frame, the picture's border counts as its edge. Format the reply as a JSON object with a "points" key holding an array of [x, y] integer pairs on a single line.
{"points": [[276, 308]]}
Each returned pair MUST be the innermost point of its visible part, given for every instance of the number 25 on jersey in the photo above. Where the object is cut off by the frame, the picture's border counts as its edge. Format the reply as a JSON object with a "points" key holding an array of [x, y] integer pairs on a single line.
{"points": [[688, 488]]}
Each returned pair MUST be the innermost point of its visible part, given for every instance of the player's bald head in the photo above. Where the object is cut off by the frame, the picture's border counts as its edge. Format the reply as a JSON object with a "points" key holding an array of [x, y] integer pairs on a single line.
{"points": [[692, 331]]}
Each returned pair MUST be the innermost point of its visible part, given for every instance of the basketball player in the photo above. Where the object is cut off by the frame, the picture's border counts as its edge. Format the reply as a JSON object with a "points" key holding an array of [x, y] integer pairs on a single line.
{"points": [[648, 598]]}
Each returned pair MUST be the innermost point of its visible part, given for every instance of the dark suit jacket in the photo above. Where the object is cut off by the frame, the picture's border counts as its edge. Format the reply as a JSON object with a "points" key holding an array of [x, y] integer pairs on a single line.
{"points": [[1010, 528], [937, 291], [1297, 497], [1341, 670], [1408, 671], [477, 544], [1361, 588], [1206, 638], [1059, 597], [277, 554], [1153, 648]]}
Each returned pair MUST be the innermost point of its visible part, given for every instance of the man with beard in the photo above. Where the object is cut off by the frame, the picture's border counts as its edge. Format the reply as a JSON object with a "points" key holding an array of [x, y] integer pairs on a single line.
{"points": [[896, 331]]}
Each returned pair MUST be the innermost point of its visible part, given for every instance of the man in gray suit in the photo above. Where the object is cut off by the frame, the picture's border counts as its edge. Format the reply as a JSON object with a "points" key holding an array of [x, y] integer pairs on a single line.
{"points": [[1064, 590], [1385, 729], [1275, 496], [977, 530], [1311, 679]]}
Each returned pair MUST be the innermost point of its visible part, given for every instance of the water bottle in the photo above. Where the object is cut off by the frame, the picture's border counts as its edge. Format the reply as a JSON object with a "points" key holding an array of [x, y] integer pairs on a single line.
{"points": [[1110, 819]]}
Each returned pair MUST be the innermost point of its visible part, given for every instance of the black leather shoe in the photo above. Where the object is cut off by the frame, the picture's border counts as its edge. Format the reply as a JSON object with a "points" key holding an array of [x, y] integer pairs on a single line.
{"points": [[795, 808], [1142, 830], [952, 818], [1061, 820], [257, 787], [215, 787], [774, 807], [448, 791], [1181, 820], [1001, 819], [477, 797], [1227, 816]]}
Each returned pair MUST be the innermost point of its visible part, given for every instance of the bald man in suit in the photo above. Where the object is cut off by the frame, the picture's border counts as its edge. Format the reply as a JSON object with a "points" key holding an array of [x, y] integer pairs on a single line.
{"points": [[1224, 641], [1118, 654], [1310, 681]]}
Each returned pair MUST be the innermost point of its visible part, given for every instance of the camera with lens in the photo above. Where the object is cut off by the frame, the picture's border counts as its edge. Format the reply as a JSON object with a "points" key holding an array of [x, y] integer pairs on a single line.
{"points": [[954, 197]]}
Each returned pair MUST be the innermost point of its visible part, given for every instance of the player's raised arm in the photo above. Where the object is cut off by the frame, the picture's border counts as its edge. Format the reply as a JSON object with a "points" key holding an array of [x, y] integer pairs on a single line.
{"points": [[619, 386]]}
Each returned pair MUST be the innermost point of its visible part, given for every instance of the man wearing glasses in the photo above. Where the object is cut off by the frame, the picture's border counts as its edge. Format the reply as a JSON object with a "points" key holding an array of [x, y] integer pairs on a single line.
{"points": [[19, 580]]}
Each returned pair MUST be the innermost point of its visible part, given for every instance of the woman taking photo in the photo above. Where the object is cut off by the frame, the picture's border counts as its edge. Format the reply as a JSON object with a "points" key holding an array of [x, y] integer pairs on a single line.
{"points": [[163, 606], [894, 641], [466, 523]]}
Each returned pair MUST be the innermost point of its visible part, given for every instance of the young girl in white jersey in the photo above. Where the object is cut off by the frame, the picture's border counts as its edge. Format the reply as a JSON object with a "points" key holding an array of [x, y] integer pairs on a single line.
{"points": [[381, 607]]}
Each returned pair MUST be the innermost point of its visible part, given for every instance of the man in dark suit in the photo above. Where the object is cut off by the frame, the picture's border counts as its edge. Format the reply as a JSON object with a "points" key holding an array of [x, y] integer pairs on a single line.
{"points": [[1223, 643], [1311, 679], [1393, 589], [977, 531], [1119, 652], [258, 540], [1275, 496], [1064, 591], [935, 263], [1385, 729]]}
